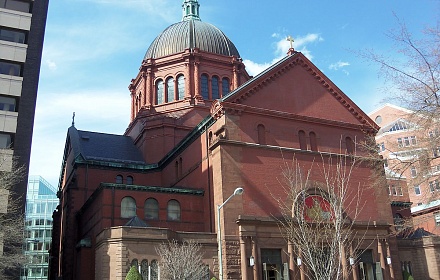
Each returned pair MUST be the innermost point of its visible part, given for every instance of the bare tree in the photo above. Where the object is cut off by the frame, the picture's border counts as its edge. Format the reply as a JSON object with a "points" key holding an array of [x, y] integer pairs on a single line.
{"points": [[181, 261], [11, 218], [412, 77], [319, 217]]}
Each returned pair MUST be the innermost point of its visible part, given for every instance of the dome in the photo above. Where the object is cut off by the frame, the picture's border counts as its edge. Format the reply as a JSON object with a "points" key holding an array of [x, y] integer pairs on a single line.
{"points": [[190, 34]]}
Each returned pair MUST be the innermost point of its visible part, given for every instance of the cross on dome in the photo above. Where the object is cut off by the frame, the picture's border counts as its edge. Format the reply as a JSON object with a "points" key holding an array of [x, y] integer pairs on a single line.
{"points": [[190, 10]]}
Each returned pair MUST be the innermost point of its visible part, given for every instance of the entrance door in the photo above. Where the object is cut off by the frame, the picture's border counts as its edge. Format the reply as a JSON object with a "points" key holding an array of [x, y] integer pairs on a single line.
{"points": [[271, 272]]}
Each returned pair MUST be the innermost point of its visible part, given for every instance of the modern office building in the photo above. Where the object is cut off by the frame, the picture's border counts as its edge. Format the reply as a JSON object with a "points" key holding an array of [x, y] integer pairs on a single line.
{"points": [[22, 25], [41, 201]]}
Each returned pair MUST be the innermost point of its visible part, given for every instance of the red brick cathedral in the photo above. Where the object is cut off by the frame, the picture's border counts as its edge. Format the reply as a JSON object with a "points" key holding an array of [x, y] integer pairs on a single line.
{"points": [[200, 127]]}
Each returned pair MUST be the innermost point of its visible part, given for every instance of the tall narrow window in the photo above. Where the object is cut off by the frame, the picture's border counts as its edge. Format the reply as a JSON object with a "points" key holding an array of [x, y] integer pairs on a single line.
{"points": [[151, 209], [349, 145], [261, 134], [154, 270], [176, 166], [159, 92], [180, 167], [302, 140], [181, 87], [413, 170], [225, 86], [204, 86], [173, 210], [144, 269], [215, 88], [313, 143], [128, 207], [170, 89]]}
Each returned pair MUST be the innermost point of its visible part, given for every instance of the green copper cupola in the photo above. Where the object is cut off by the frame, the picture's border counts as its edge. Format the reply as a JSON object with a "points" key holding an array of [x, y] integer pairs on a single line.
{"points": [[190, 10]]}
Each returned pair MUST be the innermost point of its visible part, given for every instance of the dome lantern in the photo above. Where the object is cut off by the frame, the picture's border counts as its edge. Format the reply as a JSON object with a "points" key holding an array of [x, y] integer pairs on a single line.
{"points": [[190, 10]]}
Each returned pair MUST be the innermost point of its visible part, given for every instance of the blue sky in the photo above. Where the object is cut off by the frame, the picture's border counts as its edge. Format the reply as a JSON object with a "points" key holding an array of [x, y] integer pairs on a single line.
{"points": [[93, 48]]}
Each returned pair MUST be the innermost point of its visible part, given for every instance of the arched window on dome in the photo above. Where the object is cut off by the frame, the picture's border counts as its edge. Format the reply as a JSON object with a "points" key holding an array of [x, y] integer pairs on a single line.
{"points": [[170, 89], [159, 92], [215, 88], [225, 86], [180, 87], [204, 86]]}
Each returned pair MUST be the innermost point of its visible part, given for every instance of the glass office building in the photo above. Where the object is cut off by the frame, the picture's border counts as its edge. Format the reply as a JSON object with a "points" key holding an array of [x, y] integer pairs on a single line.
{"points": [[41, 201]]}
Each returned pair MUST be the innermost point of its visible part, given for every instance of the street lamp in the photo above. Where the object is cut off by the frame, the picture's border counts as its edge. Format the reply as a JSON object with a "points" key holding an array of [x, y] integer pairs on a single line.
{"points": [[238, 191]]}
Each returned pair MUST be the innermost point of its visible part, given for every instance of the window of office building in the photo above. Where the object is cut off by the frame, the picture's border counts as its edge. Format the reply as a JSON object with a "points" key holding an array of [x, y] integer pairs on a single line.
{"points": [[16, 5], [10, 68], [11, 35], [7, 103], [5, 140]]}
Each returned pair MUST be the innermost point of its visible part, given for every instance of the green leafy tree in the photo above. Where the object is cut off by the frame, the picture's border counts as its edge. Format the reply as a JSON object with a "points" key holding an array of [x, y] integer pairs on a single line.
{"points": [[133, 274]]}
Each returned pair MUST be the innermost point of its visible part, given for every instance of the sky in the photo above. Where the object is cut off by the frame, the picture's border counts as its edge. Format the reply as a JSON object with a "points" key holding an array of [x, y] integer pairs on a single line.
{"points": [[93, 48]]}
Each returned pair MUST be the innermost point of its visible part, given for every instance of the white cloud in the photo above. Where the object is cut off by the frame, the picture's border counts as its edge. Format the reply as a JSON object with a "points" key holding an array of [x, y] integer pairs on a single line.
{"points": [[338, 65], [281, 48], [52, 65]]}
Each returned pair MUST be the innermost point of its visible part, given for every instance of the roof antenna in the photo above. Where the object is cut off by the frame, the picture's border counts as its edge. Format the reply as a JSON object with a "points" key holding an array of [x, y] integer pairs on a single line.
{"points": [[73, 119]]}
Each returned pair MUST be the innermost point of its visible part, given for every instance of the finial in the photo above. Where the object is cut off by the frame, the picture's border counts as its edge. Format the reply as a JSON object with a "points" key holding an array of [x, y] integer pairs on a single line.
{"points": [[291, 49], [190, 10], [73, 119]]}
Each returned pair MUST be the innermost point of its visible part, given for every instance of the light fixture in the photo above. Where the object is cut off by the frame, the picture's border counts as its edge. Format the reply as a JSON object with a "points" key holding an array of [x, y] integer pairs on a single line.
{"points": [[298, 261], [238, 191], [388, 260], [251, 261], [351, 260]]}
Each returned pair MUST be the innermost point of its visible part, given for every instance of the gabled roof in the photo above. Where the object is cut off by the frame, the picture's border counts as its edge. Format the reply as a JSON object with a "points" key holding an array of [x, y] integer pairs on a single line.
{"points": [[397, 125], [274, 72], [104, 147]]}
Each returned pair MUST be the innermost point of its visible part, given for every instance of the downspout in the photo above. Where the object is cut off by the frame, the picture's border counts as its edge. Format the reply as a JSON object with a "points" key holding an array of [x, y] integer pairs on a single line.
{"points": [[211, 199], [113, 207]]}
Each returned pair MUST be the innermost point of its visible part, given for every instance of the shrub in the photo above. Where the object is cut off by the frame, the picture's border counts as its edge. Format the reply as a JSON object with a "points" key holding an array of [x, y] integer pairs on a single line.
{"points": [[133, 274]]}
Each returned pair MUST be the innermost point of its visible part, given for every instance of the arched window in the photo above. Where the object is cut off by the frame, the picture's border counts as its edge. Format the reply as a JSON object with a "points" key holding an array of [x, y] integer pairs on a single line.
{"points": [[302, 140], [261, 134], [129, 180], [144, 269], [181, 87], [210, 138], [349, 145], [173, 210], [170, 89], [313, 143], [134, 263], [204, 86], [154, 270], [215, 88], [128, 207], [119, 179], [225, 86], [151, 209], [159, 92]]}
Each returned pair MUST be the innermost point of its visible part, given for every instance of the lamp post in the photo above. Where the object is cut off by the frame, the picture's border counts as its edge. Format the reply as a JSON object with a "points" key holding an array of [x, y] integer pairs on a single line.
{"points": [[238, 191]]}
